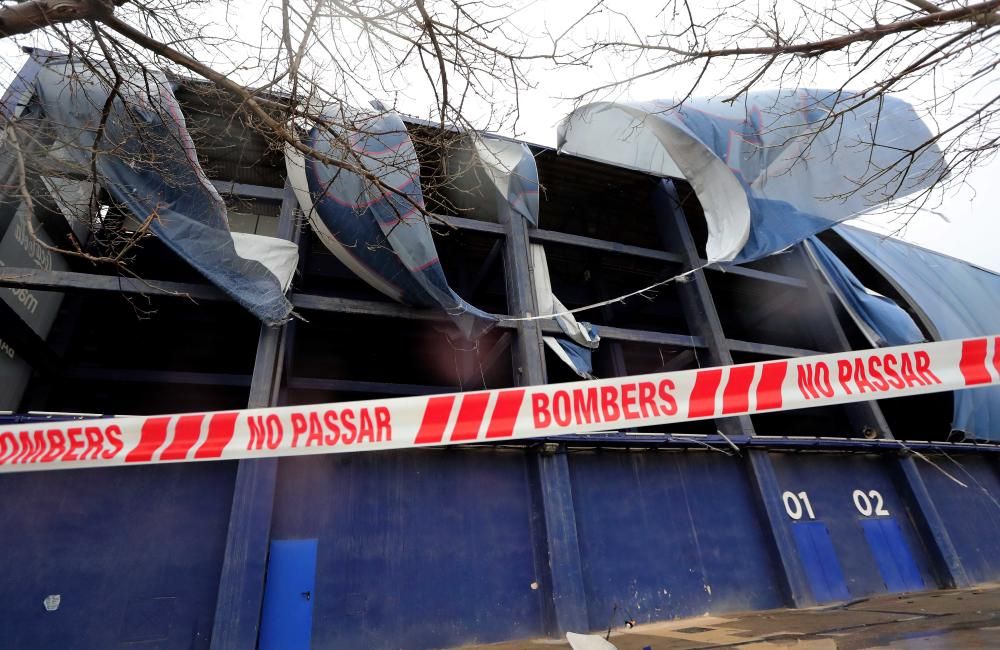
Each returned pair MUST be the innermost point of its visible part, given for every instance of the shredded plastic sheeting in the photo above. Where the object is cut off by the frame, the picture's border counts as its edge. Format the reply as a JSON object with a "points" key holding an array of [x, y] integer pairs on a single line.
{"points": [[380, 233], [769, 170], [144, 157], [882, 321], [959, 300], [575, 349], [511, 168]]}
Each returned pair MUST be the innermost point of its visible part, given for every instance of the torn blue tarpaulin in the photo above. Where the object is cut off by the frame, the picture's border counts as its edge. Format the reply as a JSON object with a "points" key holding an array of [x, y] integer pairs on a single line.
{"points": [[379, 231], [511, 167], [145, 159], [880, 319], [959, 301], [578, 357], [772, 168]]}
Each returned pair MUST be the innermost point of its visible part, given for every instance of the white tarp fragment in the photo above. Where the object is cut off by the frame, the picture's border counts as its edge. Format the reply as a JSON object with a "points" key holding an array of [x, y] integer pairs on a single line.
{"points": [[635, 136], [575, 331], [279, 256]]}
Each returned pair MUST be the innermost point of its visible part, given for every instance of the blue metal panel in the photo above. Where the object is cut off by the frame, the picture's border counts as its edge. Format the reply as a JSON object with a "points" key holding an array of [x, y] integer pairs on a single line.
{"points": [[971, 513], [421, 549], [895, 562], [134, 555], [286, 617], [569, 600], [829, 482], [819, 560], [670, 535]]}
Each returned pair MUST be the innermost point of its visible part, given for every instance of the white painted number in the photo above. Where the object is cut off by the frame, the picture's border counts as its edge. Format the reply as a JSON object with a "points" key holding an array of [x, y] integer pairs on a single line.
{"points": [[794, 504], [863, 502]]}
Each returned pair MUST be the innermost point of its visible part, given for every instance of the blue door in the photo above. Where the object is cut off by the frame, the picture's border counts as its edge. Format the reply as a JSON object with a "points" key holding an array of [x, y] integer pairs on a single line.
{"points": [[820, 561], [286, 616], [892, 554]]}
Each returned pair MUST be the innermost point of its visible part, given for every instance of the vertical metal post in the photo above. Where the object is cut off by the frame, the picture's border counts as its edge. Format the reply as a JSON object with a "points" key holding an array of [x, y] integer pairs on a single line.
{"points": [[703, 320], [565, 589], [244, 566], [947, 563]]}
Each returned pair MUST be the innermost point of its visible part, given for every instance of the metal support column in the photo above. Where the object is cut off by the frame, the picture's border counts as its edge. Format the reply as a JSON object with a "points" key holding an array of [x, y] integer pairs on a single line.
{"points": [[244, 567], [565, 589], [948, 566], [703, 320]]}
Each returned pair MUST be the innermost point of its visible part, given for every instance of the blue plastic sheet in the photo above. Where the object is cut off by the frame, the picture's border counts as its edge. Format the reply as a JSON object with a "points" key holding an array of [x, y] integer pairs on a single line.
{"points": [[804, 171], [580, 357], [960, 300], [146, 161], [511, 166], [381, 233], [772, 168], [881, 319]]}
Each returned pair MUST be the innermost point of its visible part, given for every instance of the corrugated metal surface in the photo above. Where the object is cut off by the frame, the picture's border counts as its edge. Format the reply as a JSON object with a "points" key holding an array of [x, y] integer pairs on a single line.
{"points": [[420, 550], [669, 535]]}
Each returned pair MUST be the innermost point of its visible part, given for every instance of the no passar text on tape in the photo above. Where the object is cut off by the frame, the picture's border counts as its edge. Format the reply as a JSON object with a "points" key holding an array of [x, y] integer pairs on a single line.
{"points": [[505, 414]]}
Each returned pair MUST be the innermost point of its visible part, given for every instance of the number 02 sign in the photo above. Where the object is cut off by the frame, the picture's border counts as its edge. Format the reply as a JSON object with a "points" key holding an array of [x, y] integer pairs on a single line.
{"points": [[870, 503]]}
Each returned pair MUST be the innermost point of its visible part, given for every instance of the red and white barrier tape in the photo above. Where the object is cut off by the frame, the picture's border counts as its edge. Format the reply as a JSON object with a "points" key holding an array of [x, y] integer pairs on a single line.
{"points": [[505, 414]]}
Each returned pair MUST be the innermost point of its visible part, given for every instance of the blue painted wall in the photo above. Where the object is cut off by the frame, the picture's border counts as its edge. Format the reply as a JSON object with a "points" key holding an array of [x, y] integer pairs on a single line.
{"points": [[829, 481], [432, 549], [669, 535], [134, 553], [971, 514], [424, 549]]}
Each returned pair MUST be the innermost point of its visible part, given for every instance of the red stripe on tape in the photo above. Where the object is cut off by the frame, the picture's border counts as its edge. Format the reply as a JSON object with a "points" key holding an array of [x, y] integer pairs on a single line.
{"points": [[435, 420], [736, 396], [186, 433], [470, 416], [973, 363], [772, 377], [505, 414], [706, 384], [996, 354], [152, 435], [220, 431]]}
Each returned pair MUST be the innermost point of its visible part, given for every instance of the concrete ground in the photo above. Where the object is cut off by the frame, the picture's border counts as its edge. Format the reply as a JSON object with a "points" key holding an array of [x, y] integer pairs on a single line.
{"points": [[961, 618]]}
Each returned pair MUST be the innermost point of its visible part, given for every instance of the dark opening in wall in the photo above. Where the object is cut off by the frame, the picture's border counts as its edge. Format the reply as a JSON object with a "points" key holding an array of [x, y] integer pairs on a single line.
{"points": [[472, 261], [474, 265], [591, 199], [415, 356], [324, 274], [766, 312], [582, 276], [926, 417], [136, 355]]}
